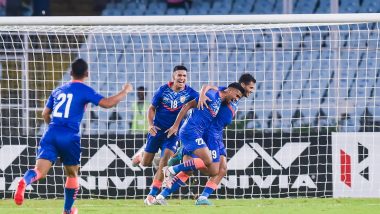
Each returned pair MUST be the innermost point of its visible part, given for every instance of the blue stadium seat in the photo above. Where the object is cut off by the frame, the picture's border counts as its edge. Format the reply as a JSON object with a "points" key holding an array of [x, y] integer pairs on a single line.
{"points": [[176, 11], [324, 6], [304, 6], [133, 12]]}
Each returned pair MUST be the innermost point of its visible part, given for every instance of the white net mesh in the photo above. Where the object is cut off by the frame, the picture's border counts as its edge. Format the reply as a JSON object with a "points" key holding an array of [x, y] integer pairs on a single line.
{"points": [[311, 80]]}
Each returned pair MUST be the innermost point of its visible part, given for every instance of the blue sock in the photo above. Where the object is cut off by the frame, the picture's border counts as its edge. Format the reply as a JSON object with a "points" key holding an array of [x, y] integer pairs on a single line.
{"points": [[207, 191], [70, 195], [155, 188], [166, 192], [154, 191], [30, 176], [177, 183], [189, 165]]}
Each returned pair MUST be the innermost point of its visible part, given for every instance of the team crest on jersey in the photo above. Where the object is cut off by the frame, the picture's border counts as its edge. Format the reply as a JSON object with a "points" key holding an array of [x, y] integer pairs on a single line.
{"points": [[182, 99], [166, 99]]}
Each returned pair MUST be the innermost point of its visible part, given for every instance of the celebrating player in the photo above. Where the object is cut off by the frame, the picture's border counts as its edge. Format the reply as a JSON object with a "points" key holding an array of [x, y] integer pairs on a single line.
{"points": [[213, 137], [64, 112], [191, 137], [167, 102]]}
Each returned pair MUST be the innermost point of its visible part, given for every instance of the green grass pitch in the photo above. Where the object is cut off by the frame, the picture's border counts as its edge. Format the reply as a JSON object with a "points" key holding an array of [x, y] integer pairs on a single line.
{"points": [[257, 206]]}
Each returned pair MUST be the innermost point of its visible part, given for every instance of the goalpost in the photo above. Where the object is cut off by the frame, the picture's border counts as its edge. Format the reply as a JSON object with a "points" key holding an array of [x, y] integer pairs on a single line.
{"points": [[308, 131]]}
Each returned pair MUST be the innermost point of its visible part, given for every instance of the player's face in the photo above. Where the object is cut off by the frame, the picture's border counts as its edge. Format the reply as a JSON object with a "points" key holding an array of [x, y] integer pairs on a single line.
{"points": [[249, 88], [179, 79], [233, 95]]}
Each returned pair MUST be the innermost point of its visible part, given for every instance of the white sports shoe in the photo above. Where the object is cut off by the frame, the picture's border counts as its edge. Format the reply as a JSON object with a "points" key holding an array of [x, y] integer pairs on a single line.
{"points": [[160, 200], [149, 200]]}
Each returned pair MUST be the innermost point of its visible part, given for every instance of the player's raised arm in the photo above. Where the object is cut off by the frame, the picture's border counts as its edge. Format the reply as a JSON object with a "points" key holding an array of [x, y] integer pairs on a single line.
{"points": [[115, 99], [202, 95], [152, 128], [173, 130]]}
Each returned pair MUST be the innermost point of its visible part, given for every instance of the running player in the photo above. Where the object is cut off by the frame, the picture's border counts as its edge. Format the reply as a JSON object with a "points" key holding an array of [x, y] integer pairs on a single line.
{"points": [[167, 102], [191, 137], [64, 112], [213, 136]]}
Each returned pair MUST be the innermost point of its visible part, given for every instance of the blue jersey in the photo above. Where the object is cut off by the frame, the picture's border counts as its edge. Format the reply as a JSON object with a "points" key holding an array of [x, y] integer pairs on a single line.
{"points": [[68, 103], [200, 120], [223, 118], [169, 103]]}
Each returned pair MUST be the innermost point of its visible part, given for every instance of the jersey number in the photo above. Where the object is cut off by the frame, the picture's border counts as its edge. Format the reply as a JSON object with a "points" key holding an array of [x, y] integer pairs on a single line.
{"points": [[213, 153], [62, 99], [199, 141], [173, 104]]}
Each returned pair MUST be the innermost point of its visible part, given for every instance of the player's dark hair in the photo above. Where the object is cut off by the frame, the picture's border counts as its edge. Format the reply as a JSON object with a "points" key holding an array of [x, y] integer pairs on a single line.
{"points": [[141, 88], [246, 78], [237, 86], [79, 68], [179, 67]]}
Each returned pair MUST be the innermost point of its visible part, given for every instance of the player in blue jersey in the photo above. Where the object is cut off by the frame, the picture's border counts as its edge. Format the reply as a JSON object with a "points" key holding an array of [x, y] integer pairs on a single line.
{"points": [[213, 136], [191, 137], [64, 112], [167, 102]]}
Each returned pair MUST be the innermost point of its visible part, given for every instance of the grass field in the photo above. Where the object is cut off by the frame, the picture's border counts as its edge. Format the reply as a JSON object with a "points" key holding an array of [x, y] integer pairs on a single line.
{"points": [[272, 206]]}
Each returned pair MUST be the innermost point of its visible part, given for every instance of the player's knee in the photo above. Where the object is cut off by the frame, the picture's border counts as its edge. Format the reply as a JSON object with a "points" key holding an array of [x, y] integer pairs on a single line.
{"points": [[71, 171], [42, 175], [207, 162], [164, 160]]}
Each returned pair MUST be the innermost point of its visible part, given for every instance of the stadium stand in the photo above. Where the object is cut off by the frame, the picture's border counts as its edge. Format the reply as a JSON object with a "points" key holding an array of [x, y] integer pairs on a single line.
{"points": [[309, 100]]}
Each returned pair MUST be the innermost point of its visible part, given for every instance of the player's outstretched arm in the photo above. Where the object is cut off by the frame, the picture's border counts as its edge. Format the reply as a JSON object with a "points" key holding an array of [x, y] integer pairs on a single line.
{"points": [[115, 99], [152, 128], [202, 95], [46, 115], [173, 130]]}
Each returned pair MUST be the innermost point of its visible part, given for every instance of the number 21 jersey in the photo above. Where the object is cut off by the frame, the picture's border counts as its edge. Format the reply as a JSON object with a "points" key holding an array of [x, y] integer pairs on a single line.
{"points": [[68, 103]]}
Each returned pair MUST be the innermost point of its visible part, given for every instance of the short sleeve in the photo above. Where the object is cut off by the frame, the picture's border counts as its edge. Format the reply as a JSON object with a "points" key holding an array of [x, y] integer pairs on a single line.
{"points": [[50, 102], [194, 94], [197, 99], [211, 94], [157, 97], [93, 97]]}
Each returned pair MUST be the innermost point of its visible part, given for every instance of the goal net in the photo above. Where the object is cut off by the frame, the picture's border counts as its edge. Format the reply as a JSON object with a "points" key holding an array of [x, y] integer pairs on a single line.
{"points": [[313, 80]]}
